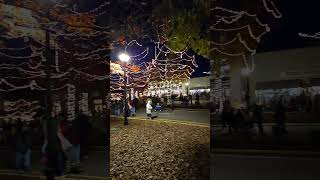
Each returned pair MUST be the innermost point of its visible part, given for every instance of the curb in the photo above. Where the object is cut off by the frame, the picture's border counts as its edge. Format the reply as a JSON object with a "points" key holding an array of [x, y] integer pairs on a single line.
{"points": [[94, 148], [193, 109], [84, 177], [34, 174], [170, 121], [266, 153], [287, 124]]}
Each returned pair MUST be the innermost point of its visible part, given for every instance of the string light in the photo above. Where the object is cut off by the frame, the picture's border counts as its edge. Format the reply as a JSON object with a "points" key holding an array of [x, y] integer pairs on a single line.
{"points": [[84, 103], [71, 102], [314, 36], [275, 12], [32, 66]]}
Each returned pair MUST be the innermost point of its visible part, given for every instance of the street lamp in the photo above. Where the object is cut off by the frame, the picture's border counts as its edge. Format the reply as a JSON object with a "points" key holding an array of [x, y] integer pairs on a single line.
{"points": [[125, 58], [50, 175]]}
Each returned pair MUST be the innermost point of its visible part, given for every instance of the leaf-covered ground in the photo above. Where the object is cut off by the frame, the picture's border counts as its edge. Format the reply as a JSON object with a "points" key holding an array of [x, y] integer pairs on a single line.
{"points": [[158, 150]]}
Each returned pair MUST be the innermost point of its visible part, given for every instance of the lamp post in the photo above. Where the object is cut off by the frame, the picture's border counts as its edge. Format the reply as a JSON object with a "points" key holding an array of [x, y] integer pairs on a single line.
{"points": [[50, 124], [125, 58]]}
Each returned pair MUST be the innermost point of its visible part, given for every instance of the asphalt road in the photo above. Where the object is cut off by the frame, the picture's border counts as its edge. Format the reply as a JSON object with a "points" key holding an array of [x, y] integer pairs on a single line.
{"points": [[189, 115], [238, 167]]}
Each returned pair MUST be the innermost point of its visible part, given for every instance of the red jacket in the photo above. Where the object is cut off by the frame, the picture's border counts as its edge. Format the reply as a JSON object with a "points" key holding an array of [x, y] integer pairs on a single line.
{"points": [[71, 132]]}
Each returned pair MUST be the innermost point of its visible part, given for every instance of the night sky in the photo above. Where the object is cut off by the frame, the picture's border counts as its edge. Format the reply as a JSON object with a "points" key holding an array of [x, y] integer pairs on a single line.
{"points": [[298, 16]]}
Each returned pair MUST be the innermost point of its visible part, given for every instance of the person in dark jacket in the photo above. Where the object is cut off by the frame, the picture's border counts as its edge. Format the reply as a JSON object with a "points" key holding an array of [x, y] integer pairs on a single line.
{"points": [[238, 119], [75, 141], [136, 103], [280, 117], [257, 115], [172, 101], [23, 147], [190, 99], [197, 99], [85, 127], [52, 147], [227, 116], [165, 101]]}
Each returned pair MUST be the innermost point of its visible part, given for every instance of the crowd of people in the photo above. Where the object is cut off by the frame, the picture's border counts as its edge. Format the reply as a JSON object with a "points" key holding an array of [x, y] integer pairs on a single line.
{"points": [[159, 102], [239, 119], [304, 102], [64, 144]]}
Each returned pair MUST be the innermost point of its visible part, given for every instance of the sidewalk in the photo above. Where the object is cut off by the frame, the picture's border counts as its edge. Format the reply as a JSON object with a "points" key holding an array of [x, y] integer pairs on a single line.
{"points": [[182, 115], [140, 118], [300, 137], [13, 175], [266, 153], [95, 166], [291, 117]]}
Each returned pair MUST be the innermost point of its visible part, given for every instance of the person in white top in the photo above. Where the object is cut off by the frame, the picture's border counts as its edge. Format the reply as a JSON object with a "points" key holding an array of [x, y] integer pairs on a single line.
{"points": [[149, 109]]}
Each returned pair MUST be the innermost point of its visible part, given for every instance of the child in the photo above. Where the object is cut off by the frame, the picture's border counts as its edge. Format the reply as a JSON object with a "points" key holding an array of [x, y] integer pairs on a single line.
{"points": [[149, 109], [23, 148], [158, 107]]}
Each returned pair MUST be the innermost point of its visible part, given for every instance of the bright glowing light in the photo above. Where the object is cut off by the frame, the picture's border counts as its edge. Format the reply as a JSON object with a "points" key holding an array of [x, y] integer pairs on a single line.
{"points": [[124, 57], [187, 84]]}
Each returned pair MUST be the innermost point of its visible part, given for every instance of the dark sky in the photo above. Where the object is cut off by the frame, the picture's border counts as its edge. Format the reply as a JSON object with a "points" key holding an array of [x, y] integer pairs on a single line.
{"points": [[203, 66], [298, 16]]}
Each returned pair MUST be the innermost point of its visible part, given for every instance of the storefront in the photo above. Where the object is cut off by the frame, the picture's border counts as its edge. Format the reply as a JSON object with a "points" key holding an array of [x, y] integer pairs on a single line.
{"points": [[286, 73], [194, 86]]}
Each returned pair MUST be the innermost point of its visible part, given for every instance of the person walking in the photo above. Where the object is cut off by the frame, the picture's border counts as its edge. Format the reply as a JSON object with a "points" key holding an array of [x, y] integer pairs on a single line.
{"points": [[1, 133], [257, 116], [227, 116], [132, 109], [117, 108], [238, 119], [316, 104], [172, 101], [280, 117], [52, 147], [85, 127], [75, 149], [149, 110], [165, 101], [23, 147], [197, 99], [190, 99], [63, 133], [135, 103]]}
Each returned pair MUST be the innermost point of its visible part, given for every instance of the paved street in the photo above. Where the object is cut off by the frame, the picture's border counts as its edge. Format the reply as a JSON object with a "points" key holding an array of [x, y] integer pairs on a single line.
{"points": [[96, 165], [190, 115], [236, 167]]}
